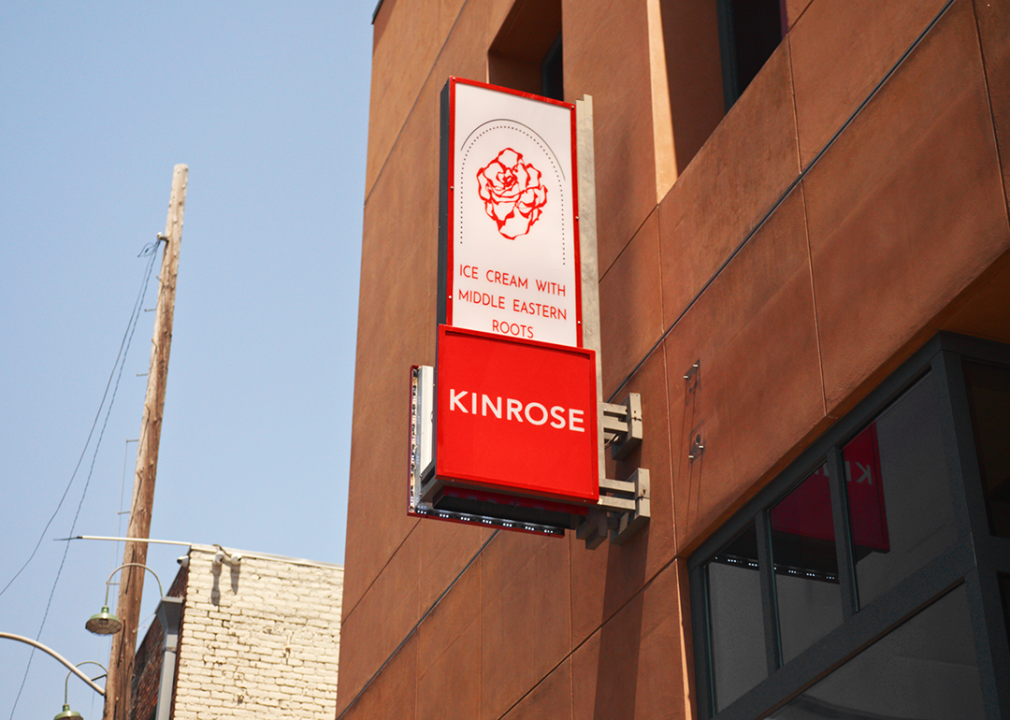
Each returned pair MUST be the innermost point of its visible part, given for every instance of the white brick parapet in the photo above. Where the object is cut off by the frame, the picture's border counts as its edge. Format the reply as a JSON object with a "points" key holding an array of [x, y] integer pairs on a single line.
{"points": [[260, 637]]}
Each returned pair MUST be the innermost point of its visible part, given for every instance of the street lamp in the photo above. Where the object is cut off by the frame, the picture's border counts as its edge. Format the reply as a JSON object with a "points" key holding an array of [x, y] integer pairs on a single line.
{"points": [[55, 655], [104, 622], [67, 713], [169, 614]]}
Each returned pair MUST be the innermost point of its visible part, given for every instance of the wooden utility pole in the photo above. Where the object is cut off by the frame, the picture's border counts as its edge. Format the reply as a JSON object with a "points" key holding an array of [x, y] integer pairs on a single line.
{"points": [[131, 579]]}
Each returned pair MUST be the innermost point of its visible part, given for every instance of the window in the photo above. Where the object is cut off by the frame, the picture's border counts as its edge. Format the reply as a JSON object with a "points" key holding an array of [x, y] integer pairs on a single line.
{"points": [[749, 30], [926, 668], [738, 644], [527, 53], [898, 491], [989, 399], [552, 73], [870, 579], [1004, 588], [805, 564]]}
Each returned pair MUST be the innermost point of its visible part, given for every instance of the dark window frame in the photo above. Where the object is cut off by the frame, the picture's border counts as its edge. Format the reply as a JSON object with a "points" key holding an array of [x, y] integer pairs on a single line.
{"points": [[552, 73], [734, 78], [976, 559], [527, 54]]}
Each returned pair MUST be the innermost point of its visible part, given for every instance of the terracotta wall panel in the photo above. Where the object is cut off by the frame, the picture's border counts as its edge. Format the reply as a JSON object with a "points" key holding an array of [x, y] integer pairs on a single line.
{"points": [[454, 616], [449, 688], [381, 620], [605, 578], [395, 329], [446, 548], [617, 75], [549, 700], [906, 209], [396, 315], [738, 175], [993, 19], [631, 308], [525, 616], [497, 11], [841, 50], [758, 393], [984, 307], [392, 693], [377, 516], [632, 667], [795, 9], [402, 56]]}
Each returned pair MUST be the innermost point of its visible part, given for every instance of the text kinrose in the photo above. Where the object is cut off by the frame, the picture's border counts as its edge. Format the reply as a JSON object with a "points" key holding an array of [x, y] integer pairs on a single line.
{"points": [[515, 410]]}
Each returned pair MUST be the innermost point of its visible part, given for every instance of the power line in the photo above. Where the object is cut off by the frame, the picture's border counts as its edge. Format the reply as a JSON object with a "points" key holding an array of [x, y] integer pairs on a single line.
{"points": [[149, 249], [124, 347]]}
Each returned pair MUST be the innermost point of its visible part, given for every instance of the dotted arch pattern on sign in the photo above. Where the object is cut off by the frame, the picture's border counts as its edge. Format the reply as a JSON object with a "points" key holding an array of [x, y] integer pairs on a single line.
{"points": [[491, 126]]}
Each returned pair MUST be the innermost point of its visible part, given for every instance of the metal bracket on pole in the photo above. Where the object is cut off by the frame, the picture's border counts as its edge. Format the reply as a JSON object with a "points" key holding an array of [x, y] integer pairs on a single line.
{"points": [[624, 505]]}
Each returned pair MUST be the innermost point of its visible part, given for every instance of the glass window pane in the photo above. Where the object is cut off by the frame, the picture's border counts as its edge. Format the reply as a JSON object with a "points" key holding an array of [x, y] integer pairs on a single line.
{"points": [[738, 639], [806, 567], [989, 399], [926, 669], [1004, 589], [898, 491]]}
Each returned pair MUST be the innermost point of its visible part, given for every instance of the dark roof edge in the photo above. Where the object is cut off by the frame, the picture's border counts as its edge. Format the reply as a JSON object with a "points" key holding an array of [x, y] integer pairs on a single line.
{"points": [[375, 13]]}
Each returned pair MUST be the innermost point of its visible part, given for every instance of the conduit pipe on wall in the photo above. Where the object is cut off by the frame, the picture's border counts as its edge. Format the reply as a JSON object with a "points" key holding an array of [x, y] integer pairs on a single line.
{"points": [[169, 615]]}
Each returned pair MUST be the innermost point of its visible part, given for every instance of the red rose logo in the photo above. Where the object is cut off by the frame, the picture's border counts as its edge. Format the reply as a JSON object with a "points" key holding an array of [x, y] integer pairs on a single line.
{"points": [[512, 194]]}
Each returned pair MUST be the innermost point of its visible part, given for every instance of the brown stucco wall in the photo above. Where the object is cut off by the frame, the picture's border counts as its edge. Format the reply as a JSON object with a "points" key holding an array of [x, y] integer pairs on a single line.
{"points": [[799, 264]]}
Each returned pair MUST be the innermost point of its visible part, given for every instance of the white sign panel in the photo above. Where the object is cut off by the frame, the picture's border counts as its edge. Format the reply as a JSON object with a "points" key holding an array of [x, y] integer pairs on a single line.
{"points": [[512, 232]]}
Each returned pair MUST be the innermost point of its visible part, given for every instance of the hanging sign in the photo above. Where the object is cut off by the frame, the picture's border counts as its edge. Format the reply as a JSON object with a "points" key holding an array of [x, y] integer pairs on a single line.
{"points": [[509, 242], [514, 416]]}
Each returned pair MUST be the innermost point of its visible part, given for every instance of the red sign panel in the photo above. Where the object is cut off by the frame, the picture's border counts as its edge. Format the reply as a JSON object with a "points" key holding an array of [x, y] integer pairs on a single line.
{"points": [[516, 416]]}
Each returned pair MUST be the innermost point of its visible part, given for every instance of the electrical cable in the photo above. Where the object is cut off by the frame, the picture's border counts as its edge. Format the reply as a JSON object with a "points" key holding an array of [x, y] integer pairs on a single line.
{"points": [[149, 250]]}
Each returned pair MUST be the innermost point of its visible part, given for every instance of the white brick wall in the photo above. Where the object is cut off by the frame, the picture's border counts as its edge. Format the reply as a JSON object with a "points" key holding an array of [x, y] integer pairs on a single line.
{"points": [[259, 640]]}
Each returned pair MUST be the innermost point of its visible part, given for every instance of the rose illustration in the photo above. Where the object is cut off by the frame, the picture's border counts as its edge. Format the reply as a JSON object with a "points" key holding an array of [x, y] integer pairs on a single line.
{"points": [[512, 194]]}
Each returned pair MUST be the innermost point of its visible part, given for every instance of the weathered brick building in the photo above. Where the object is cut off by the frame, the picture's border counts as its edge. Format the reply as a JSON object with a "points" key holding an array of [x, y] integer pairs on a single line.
{"points": [[804, 269], [259, 637]]}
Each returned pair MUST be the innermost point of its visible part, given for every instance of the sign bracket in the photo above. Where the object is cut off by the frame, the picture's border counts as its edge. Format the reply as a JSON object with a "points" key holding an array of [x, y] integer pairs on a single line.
{"points": [[624, 505], [622, 426]]}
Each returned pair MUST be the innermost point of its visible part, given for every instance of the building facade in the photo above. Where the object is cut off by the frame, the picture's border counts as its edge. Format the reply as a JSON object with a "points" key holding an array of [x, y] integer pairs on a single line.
{"points": [[258, 636], [804, 269]]}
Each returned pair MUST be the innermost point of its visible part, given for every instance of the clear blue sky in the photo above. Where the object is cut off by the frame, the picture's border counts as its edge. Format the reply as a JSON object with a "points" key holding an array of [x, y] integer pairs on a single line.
{"points": [[267, 103]]}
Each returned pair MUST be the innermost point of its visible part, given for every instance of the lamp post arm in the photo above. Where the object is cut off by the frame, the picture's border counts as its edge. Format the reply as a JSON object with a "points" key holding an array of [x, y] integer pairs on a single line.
{"points": [[50, 651], [66, 683], [161, 592]]}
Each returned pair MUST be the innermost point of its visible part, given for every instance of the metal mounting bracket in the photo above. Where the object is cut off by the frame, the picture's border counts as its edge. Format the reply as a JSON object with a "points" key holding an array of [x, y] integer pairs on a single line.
{"points": [[622, 426], [623, 509], [624, 505]]}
